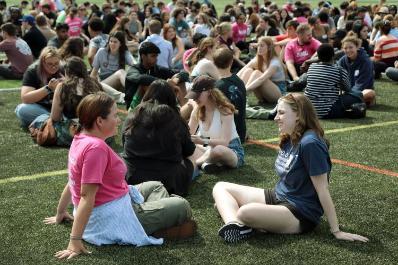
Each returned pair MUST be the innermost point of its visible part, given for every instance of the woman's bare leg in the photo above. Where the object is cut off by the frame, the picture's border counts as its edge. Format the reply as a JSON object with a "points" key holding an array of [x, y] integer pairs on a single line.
{"points": [[117, 80], [270, 92], [244, 74]]}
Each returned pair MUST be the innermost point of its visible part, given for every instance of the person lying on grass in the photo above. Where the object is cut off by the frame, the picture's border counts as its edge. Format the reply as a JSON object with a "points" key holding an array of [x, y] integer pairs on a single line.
{"points": [[101, 197], [301, 196]]}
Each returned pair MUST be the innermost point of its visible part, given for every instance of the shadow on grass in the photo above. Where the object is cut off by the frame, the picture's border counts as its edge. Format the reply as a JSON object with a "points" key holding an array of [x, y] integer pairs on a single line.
{"points": [[384, 108]]}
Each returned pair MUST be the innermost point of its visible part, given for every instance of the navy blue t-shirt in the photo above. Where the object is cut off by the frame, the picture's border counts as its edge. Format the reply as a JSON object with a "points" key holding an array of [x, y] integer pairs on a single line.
{"points": [[294, 165]]}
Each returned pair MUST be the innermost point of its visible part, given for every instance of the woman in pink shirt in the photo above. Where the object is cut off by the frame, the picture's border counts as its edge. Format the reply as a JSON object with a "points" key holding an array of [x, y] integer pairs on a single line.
{"points": [[74, 22], [239, 29], [100, 195]]}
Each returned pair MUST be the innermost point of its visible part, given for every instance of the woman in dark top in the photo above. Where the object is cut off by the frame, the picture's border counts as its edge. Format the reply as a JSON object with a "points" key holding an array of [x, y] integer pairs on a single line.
{"points": [[157, 143], [38, 85]]}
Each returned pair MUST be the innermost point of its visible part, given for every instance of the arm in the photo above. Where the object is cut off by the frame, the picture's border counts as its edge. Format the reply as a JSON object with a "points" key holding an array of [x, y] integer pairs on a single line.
{"points": [[292, 70], [62, 214], [86, 205], [91, 54], [31, 95], [321, 186], [180, 47], [265, 76], [193, 121], [57, 107]]}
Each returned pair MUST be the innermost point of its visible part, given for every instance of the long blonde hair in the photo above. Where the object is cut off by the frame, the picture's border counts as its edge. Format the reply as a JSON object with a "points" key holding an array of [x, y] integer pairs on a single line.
{"points": [[221, 102], [271, 53]]}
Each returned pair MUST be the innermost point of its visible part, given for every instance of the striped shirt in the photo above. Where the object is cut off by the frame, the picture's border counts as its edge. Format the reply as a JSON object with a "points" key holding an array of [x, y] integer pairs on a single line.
{"points": [[323, 86], [386, 49]]}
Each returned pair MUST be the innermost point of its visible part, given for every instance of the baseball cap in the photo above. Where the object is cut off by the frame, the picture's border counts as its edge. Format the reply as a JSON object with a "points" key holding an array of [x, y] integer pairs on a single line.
{"points": [[200, 84], [28, 18]]}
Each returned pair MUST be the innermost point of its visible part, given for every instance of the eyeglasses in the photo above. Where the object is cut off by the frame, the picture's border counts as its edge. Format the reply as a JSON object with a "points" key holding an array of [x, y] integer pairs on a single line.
{"points": [[52, 65]]}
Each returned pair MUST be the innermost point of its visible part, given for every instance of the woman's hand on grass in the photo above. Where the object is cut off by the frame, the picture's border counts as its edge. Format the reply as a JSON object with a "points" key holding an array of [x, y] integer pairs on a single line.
{"points": [[350, 237], [59, 218], [75, 248]]}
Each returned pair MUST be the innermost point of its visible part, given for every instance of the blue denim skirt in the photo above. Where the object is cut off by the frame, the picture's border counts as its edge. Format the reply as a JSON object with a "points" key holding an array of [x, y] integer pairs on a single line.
{"points": [[236, 146]]}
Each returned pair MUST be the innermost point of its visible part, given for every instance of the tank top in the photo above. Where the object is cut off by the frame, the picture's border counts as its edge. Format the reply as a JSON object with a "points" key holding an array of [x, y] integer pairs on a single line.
{"points": [[215, 128]]}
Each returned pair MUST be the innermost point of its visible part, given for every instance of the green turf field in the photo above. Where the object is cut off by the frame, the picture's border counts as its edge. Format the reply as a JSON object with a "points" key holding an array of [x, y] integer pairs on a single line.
{"points": [[366, 201]]}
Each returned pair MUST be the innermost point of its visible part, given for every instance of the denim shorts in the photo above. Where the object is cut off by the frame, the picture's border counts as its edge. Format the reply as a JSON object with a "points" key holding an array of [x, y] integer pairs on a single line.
{"points": [[237, 148], [281, 85]]}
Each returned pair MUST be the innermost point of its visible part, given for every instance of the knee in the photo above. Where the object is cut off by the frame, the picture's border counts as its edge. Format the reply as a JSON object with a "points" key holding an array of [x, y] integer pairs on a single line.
{"points": [[217, 152], [180, 207], [220, 187], [246, 214]]}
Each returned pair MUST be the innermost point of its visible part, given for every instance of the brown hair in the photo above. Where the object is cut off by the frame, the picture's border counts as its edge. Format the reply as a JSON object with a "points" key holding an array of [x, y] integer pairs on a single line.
{"points": [[223, 28], [166, 29], [307, 118], [155, 26], [302, 28], [201, 51], [353, 38], [223, 58], [271, 53], [93, 106], [222, 104]]}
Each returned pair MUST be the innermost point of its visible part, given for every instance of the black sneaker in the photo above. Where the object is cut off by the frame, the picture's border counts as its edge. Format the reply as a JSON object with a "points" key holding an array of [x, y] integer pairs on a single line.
{"points": [[234, 232], [212, 168]]}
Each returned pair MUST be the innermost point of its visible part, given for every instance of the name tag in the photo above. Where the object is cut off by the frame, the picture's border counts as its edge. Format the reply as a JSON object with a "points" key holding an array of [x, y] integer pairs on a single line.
{"points": [[356, 73]]}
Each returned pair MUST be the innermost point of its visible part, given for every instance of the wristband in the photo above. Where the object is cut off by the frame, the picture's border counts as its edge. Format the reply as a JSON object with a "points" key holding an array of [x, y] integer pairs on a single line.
{"points": [[72, 237], [48, 89]]}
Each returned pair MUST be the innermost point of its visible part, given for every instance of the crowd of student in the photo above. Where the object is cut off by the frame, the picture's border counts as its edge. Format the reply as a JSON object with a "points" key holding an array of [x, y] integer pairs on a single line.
{"points": [[183, 73]]}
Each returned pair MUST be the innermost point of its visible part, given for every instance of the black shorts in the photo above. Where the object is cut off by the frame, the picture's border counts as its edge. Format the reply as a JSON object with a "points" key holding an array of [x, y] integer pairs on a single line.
{"points": [[305, 224]]}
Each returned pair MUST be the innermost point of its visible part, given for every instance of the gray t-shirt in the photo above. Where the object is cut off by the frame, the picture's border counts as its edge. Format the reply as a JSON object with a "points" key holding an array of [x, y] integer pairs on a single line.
{"points": [[107, 64], [279, 75]]}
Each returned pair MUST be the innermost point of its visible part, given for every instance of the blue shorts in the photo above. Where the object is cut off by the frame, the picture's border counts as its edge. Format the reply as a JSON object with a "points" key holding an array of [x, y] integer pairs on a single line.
{"points": [[281, 85], [237, 148]]}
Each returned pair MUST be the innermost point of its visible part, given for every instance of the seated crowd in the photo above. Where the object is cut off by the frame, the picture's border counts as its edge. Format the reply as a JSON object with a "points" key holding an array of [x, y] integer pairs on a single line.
{"points": [[183, 74]]}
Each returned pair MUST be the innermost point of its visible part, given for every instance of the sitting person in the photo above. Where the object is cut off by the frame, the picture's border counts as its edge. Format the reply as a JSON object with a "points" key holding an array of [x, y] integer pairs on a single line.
{"points": [[213, 128], [141, 75], [300, 197], [62, 35], [359, 67], [392, 72], [326, 83], [232, 87], [32, 35], [110, 62], [17, 51], [299, 50], [201, 60], [169, 33], [386, 50], [157, 143], [265, 74], [67, 96], [101, 198], [38, 85]]}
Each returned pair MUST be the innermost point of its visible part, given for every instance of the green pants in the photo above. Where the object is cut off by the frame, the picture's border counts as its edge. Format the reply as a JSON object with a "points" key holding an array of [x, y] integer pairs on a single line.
{"points": [[160, 210]]}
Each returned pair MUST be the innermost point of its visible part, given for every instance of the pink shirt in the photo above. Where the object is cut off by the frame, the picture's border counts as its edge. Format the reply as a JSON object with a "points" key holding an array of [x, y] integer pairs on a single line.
{"points": [[185, 56], [92, 161], [239, 32], [297, 53], [75, 25]]}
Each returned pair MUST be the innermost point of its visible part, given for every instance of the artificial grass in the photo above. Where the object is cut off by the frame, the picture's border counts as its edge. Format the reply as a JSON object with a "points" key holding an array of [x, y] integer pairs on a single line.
{"points": [[365, 202]]}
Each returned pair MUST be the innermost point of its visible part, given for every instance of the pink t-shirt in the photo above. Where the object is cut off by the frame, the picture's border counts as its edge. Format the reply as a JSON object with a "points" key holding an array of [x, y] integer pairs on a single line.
{"points": [[185, 56], [75, 25], [239, 32], [297, 53], [92, 161]]}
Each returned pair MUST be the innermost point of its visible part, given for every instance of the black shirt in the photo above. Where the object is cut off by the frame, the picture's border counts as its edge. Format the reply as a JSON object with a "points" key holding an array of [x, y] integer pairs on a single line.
{"points": [[31, 78], [234, 89], [36, 41]]}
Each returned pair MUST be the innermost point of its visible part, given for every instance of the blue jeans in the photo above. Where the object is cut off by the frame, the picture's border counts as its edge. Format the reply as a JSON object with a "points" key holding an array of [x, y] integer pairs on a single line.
{"points": [[26, 113]]}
